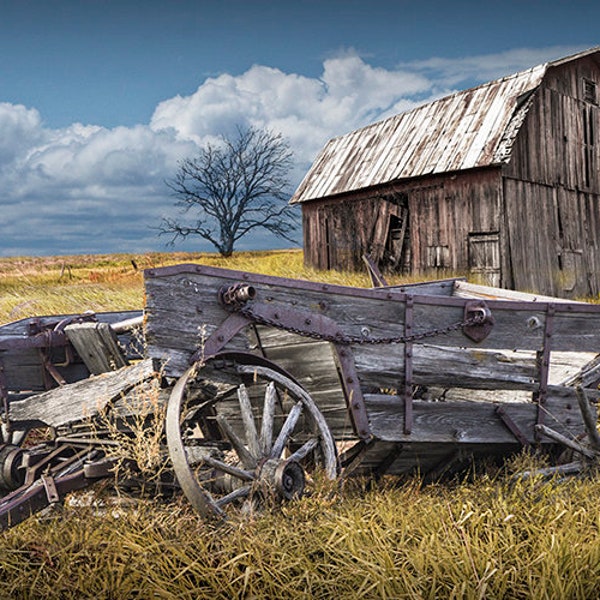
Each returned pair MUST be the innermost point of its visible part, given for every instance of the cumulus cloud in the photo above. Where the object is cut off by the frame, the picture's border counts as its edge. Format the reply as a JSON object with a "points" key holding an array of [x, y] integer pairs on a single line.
{"points": [[21, 129], [86, 188], [349, 94]]}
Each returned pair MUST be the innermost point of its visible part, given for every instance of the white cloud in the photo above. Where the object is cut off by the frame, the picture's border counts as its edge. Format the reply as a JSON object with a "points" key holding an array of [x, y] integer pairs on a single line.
{"points": [[449, 72], [20, 129], [307, 111], [93, 189]]}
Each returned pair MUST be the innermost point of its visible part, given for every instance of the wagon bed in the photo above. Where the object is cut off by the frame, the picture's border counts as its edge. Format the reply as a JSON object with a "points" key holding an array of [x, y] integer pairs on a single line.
{"points": [[427, 404], [267, 378]]}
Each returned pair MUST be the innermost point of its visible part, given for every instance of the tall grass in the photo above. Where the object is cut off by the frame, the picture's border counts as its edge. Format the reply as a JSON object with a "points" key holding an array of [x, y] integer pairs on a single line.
{"points": [[487, 537], [71, 284]]}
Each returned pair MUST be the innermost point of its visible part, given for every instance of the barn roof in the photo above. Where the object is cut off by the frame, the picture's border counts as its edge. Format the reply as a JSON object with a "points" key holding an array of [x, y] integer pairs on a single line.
{"points": [[468, 129]]}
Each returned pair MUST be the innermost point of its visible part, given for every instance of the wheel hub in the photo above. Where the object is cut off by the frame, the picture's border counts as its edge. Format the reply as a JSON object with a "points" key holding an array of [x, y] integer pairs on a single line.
{"points": [[11, 474], [285, 477]]}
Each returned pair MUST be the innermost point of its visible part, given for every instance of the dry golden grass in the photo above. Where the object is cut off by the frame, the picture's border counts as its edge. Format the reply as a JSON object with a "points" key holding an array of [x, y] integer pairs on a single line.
{"points": [[71, 284], [489, 537]]}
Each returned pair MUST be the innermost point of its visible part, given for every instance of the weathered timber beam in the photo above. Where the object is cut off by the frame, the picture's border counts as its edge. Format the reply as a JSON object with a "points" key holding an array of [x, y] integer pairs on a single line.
{"points": [[445, 367], [80, 400], [467, 422], [565, 441], [182, 300]]}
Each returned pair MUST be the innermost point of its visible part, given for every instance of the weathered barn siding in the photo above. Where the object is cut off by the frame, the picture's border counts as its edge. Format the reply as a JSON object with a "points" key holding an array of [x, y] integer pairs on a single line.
{"points": [[453, 223], [447, 218], [552, 186], [337, 233]]}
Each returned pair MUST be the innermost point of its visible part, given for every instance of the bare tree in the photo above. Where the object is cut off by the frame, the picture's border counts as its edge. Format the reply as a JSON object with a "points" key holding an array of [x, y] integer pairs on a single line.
{"points": [[233, 188]]}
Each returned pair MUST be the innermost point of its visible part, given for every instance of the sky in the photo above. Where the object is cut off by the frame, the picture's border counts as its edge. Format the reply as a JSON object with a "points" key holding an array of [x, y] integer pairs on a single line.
{"points": [[100, 99]]}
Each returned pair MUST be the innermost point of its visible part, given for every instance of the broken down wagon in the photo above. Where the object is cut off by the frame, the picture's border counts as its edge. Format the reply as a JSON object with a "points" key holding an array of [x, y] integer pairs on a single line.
{"points": [[264, 379]]}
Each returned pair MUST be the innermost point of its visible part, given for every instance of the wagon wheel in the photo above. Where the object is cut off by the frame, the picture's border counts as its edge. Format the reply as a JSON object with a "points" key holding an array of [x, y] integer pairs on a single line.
{"points": [[242, 432]]}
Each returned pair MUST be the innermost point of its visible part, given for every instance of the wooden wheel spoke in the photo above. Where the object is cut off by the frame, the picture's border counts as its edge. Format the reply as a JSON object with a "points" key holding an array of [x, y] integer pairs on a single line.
{"points": [[244, 455], [268, 418], [229, 469], [248, 421], [238, 494], [304, 450], [286, 430]]}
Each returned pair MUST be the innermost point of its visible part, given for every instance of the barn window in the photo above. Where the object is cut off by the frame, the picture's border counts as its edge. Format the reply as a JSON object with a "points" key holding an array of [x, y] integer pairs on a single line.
{"points": [[589, 91]]}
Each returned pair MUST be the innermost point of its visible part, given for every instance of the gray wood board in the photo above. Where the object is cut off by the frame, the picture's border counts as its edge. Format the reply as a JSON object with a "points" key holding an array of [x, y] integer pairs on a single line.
{"points": [[383, 366], [181, 300], [97, 345], [470, 422], [83, 399]]}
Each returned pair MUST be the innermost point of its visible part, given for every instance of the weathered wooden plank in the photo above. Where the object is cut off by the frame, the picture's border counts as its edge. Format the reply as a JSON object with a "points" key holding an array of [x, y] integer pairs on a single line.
{"points": [[465, 289], [441, 287], [80, 400], [97, 345], [182, 300], [383, 366], [470, 422], [587, 376]]}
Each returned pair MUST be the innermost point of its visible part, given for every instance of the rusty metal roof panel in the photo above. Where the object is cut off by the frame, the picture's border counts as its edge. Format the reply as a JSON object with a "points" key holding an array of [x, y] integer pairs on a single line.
{"points": [[473, 128]]}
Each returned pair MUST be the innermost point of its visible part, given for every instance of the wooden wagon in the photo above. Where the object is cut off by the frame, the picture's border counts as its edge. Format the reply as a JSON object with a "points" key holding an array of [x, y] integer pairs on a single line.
{"points": [[265, 379]]}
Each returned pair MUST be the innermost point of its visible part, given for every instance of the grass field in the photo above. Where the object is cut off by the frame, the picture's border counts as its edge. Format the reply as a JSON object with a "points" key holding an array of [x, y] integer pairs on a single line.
{"points": [[485, 535]]}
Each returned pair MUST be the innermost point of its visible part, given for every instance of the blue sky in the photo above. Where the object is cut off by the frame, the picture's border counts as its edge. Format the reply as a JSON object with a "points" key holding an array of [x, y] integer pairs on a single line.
{"points": [[100, 99]]}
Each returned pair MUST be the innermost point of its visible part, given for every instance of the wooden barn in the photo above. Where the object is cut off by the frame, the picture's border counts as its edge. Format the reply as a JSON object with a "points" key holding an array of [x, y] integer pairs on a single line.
{"points": [[501, 181]]}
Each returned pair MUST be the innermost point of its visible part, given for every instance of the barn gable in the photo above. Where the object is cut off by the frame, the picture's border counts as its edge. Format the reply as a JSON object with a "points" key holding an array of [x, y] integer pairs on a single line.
{"points": [[462, 183]]}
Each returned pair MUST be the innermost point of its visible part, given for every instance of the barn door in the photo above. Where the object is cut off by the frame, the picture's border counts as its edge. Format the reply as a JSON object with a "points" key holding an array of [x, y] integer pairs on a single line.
{"points": [[484, 257]]}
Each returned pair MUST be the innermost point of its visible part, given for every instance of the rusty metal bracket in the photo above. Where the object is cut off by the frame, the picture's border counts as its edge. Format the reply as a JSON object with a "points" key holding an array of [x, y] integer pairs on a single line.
{"points": [[512, 426], [479, 311], [352, 392], [223, 334], [50, 487], [50, 369], [408, 365]]}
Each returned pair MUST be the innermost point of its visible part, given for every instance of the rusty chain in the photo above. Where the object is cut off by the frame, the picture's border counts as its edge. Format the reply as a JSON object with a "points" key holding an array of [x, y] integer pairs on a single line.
{"points": [[348, 340]]}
